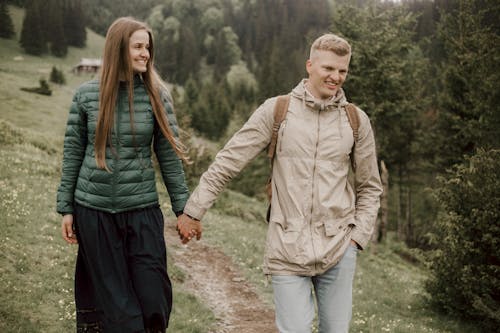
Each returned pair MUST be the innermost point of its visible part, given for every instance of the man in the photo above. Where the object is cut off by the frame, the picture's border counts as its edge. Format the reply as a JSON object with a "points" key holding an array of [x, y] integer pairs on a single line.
{"points": [[318, 221]]}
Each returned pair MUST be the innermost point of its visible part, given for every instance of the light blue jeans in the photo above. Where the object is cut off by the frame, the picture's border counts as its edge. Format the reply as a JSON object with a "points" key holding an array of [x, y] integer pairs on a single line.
{"points": [[294, 301]]}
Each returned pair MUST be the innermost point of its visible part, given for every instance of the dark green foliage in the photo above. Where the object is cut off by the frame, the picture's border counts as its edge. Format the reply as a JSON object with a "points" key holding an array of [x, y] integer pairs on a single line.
{"points": [[18, 3], [101, 13], [43, 89], [466, 262], [278, 34], [428, 17], [74, 23], [178, 44], [469, 100], [6, 27], [188, 55], [272, 37], [210, 112], [227, 52], [56, 34], [52, 23], [383, 75], [57, 76], [32, 37]]}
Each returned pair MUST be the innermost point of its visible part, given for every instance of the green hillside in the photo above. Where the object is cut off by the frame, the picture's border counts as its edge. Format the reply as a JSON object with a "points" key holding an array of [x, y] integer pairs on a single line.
{"points": [[36, 266]]}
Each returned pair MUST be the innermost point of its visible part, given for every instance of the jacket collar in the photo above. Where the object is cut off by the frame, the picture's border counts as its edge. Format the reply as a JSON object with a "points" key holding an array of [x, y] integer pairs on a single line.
{"points": [[316, 104], [137, 81]]}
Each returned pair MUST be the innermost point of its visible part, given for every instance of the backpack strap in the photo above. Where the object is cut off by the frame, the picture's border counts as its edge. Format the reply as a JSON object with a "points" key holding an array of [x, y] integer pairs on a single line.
{"points": [[353, 117], [280, 110]]}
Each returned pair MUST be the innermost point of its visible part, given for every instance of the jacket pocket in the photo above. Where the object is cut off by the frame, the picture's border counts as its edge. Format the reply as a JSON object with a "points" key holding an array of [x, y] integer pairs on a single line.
{"points": [[334, 227], [286, 242]]}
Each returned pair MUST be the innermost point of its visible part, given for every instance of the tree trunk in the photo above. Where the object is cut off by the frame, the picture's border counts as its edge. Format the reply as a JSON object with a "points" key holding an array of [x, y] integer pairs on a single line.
{"points": [[401, 205], [380, 230], [409, 220]]}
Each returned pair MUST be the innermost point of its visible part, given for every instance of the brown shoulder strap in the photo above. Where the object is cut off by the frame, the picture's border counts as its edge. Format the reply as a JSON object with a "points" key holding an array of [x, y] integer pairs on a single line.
{"points": [[353, 116], [280, 110]]}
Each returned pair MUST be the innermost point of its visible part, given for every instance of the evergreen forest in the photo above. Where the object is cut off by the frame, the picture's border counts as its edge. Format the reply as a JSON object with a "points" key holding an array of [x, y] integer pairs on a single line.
{"points": [[425, 71]]}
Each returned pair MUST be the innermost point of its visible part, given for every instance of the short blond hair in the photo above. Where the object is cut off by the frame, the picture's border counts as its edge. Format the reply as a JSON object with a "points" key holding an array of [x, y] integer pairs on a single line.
{"points": [[331, 42]]}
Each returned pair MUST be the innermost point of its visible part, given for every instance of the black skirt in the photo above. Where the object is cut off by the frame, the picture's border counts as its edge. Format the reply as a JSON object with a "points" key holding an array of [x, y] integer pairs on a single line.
{"points": [[121, 280]]}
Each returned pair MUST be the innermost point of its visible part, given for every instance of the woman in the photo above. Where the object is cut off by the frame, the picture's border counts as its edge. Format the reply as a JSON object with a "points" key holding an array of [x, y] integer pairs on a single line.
{"points": [[107, 194]]}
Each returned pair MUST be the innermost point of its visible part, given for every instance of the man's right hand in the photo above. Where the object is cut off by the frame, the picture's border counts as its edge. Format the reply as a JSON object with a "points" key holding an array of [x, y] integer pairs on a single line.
{"points": [[188, 228]]}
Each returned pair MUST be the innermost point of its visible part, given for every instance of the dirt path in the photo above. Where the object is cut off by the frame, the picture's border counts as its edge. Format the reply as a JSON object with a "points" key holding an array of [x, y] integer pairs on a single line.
{"points": [[216, 280]]}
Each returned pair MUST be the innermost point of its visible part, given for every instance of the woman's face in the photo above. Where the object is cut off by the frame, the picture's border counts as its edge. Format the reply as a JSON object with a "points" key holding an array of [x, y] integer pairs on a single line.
{"points": [[139, 50]]}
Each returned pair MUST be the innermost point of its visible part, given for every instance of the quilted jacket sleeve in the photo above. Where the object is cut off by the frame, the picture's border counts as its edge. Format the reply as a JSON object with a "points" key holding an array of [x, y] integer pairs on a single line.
{"points": [[75, 143], [170, 164]]}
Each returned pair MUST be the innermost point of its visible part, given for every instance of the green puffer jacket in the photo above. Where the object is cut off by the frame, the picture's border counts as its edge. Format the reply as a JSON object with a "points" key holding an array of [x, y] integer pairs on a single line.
{"points": [[131, 182]]}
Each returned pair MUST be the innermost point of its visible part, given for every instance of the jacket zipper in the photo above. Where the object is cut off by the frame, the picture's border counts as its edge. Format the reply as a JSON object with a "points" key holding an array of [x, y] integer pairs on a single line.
{"points": [[311, 224], [283, 125], [116, 156]]}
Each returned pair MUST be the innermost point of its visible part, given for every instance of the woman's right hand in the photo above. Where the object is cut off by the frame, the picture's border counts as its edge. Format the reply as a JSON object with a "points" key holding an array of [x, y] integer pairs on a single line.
{"points": [[68, 233], [188, 228]]}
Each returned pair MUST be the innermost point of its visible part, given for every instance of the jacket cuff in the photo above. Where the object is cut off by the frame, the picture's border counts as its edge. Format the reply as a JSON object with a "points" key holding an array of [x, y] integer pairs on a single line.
{"points": [[194, 211], [66, 213], [359, 238], [65, 209]]}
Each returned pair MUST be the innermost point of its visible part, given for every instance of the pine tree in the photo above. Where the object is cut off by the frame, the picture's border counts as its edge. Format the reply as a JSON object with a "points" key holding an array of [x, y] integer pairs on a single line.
{"points": [[191, 96], [189, 56], [57, 76], [167, 46], [227, 52], [469, 101], [74, 23], [6, 27], [465, 266], [32, 38], [56, 36]]}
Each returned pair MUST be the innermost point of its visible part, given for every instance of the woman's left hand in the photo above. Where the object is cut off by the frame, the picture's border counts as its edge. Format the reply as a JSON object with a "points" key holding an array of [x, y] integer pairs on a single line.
{"points": [[67, 229]]}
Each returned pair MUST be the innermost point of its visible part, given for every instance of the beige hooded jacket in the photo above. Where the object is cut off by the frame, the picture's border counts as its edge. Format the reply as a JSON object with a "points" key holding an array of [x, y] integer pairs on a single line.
{"points": [[315, 211]]}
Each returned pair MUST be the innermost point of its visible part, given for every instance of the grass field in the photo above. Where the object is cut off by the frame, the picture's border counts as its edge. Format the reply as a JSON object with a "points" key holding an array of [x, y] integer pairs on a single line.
{"points": [[36, 266]]}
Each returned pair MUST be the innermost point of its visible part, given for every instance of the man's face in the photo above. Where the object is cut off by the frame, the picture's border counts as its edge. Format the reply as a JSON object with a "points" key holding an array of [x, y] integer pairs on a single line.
{"points": [[327, 72]]}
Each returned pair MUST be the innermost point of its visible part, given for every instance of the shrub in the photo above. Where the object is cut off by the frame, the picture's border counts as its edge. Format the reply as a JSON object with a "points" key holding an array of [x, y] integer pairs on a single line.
{"points": [[57, 76], [43, 89], [466, 263]]}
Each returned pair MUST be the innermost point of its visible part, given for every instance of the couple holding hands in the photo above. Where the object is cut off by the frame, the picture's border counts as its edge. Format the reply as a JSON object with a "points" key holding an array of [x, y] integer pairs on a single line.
{"points": [[109, 203]]}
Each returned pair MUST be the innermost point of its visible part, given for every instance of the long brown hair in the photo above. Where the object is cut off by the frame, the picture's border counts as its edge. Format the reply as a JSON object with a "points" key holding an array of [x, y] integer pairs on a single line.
{"points": [[117, 65]]}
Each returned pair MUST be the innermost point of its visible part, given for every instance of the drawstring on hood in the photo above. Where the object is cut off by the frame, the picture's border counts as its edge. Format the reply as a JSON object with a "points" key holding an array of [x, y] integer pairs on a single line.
{"points": [[336, 103]]}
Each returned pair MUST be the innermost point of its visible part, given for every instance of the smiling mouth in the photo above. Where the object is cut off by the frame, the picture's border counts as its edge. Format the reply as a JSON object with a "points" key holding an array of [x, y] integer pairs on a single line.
{"points": [[331, 85]]}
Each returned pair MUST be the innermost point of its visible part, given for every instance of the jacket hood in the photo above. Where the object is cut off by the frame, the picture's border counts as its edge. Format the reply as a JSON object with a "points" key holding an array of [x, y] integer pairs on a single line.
{"points": [[333, 103]]}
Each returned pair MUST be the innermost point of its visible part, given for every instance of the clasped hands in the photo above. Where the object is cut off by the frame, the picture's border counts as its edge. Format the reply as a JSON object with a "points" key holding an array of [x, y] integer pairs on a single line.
{"points": [[187, 228]]}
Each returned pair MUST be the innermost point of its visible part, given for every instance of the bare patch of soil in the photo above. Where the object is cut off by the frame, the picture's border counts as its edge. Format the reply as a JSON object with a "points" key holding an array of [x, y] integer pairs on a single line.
{"points": [[213, 277]]}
